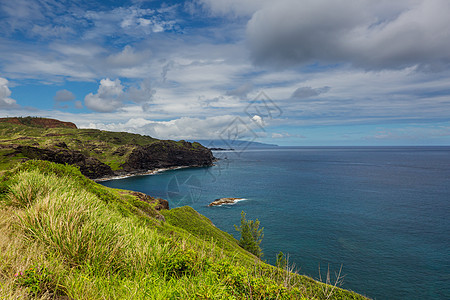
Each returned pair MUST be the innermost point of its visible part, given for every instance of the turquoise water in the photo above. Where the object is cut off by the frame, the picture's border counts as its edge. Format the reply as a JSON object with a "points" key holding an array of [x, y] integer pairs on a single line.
{"points": [[382, 213]]}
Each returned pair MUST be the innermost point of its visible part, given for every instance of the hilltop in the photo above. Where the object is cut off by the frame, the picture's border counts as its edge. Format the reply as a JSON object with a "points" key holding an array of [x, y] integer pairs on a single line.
{"points": [[97, 153], [38, 122]]}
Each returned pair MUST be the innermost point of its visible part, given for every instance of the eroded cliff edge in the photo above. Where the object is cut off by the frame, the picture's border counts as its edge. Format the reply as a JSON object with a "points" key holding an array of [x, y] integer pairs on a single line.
{"points": [[97, 153]]}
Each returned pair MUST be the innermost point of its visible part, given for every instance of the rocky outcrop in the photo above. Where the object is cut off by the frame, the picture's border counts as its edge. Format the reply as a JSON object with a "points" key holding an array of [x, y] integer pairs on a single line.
{"points": [[166, 154], [223, 201], [89, 166], [160, 203], [97, 153]]}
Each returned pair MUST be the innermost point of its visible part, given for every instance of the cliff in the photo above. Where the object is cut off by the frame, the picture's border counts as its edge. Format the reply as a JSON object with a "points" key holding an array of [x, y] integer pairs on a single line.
{"points": [[164, 154], [97, 153]]}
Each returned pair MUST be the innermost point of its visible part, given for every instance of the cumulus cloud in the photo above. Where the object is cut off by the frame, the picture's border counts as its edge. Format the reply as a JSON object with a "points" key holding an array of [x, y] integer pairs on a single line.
{"points": [[5, 92], [64, 96], [187, 128], [108, 98], [132, 21], [181, 128], [373, 35], [307, 92], [258, 120]]}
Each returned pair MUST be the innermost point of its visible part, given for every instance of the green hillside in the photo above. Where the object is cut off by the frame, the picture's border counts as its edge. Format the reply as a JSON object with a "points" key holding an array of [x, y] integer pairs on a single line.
{"points": [[63, 236], [98, 153]]}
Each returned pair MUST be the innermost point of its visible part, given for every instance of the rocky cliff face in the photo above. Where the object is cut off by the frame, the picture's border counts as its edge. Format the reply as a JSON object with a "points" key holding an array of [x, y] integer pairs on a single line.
{"points": [[97, 153], [164, 154], [89, 166]]}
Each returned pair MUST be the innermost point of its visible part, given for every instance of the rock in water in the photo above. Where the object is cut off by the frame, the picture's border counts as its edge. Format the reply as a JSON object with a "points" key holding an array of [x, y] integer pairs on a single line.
{"points": [[222, 201]]}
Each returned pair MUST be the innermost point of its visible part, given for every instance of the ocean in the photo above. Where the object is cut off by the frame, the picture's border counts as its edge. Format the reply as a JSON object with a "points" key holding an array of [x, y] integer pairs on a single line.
{"points": [[380, 213]]}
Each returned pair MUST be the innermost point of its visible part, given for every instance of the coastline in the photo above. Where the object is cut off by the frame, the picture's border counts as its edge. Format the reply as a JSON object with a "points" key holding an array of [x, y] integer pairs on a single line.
{"points": [[137, 173]]}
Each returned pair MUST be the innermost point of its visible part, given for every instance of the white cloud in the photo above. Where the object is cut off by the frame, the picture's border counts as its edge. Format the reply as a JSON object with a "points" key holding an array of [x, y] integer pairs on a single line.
{"points": [[181, 128], [52, 31], [128, 57], [285, 135], [5, 92], [108, 98], [368, 34], [131, 21], [258, 120]]}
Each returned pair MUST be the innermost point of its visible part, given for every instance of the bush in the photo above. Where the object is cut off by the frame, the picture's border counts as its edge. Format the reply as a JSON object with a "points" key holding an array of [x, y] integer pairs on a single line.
{"points": [[36, 280], [251, 235], [180, 262]]}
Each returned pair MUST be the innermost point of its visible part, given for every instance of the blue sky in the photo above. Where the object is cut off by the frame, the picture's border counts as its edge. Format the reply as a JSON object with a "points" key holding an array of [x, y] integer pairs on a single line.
{"points": [[290, 72]]}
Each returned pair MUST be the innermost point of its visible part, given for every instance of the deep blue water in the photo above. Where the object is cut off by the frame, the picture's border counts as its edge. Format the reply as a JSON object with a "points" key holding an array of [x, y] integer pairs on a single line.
{"points": [[382, 213]]}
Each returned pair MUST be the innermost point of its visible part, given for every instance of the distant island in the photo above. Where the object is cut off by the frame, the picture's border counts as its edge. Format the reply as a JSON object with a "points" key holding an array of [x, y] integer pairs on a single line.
{"points": [[221, 149], [233, 144]]}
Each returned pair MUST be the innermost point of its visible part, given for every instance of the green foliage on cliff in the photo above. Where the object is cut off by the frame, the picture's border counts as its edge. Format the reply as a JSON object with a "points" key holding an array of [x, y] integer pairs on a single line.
{"points": [[63, 235], [251, 235], [98, 153], [111, 148]]}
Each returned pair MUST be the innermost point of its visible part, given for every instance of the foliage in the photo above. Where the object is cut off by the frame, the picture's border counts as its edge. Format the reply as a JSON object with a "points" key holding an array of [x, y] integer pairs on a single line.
{"points": [[201, 227], [281, 261], [251, 235], [74, 238], [36, 280], [179, 262], [111, 148]]}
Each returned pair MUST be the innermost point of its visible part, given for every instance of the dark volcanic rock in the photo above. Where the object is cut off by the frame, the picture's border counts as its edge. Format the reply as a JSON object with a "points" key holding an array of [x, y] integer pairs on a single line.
{"points": [[165, 154], [89, 166], [62, 145], [223, 201], [161, 203]]}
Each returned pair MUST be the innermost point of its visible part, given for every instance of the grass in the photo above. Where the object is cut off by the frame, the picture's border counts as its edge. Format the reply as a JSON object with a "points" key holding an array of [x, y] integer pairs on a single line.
{"points": [[103, 145], [62, 234]]}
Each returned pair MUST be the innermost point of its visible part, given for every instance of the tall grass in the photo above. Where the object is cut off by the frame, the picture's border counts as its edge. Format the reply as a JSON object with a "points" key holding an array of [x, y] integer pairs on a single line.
{"points": [[61, 235]]}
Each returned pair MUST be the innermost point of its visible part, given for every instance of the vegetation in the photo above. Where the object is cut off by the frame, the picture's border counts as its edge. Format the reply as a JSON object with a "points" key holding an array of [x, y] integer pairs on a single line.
{"points": [[63, 236], [251, 235], [110, 148]]}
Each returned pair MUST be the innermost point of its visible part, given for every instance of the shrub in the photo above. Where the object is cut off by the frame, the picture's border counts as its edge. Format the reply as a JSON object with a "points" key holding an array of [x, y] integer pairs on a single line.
{"points": [[251, 235], [179, 262], [36, 280]]}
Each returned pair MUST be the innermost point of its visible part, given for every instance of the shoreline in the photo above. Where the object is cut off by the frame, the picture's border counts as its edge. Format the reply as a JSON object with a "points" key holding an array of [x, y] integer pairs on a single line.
{"points": [[143, 173]]}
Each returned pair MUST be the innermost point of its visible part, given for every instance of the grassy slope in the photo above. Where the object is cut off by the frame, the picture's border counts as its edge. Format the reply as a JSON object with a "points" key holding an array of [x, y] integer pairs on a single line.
{"points": [[62, 234], [103, 145]]}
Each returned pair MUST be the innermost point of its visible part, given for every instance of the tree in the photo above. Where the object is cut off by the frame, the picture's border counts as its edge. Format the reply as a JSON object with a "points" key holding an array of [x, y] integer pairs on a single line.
{"points": [[251, 235]]}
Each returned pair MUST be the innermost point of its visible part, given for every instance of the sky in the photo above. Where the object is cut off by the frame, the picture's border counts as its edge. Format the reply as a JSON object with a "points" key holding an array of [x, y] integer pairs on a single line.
{"points": [[288, 72]]}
